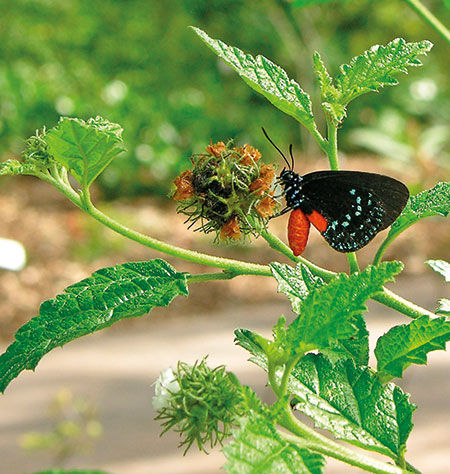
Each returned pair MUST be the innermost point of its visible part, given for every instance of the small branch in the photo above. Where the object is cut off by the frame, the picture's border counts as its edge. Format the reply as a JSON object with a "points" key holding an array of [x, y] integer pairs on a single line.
{"points": [[236, 267], [353, 262], [200, 277], [427, 16], [322, 445], [394, 301]]}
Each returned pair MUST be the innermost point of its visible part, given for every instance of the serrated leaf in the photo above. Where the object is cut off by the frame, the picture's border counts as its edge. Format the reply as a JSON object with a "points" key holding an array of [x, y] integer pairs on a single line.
{"points": [[355, 347], [258, 448], [409, 344], [329, 94], [347, 400], [352, 404], [267, 78], [326, 314], [377, 67], [443, 307], [107, 296], [295, 283], [440, 266], [85, 148], [432, 202]]}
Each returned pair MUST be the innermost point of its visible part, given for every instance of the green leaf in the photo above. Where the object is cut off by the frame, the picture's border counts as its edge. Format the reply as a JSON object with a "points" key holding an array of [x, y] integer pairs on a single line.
{"points": [[107, 296], [85, 148], [329, 93], [409, 344], [352, 404], [367, 72], [432, 202], [327, 314], [267, 78], [443, 307], [258, 448], [440, 266], [295, 283], [348, 401], [377, 67], [355, 347]]}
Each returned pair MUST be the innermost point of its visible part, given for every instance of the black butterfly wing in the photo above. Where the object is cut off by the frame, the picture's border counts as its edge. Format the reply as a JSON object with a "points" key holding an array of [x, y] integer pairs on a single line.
{"points": [[356, 205]]}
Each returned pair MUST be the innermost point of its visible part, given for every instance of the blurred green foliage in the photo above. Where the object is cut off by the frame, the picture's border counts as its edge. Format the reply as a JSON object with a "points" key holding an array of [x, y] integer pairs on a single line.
{"points": [[137, 63]]}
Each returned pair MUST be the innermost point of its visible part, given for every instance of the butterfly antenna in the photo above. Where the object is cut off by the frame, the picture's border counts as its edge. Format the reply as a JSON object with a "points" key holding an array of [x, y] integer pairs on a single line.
{"points": [[292, 156], [279, 151]]}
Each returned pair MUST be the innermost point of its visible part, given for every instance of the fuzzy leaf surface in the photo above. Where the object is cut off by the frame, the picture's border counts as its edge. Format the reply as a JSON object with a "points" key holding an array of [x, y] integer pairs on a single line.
{"points": [[257, 447], [267, 78], [432, 202], [352, 404], [377, 68], [348, 401], [327, 313], [85, 148], [440, 266], [409, 344], [296, 283], [107, 296], [329, 94]]}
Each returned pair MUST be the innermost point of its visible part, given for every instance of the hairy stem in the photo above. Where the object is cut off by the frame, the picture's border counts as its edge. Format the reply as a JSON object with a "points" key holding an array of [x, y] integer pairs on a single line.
{"points": [[426, 15], [332, 153], [236, 267], [322, 445]]}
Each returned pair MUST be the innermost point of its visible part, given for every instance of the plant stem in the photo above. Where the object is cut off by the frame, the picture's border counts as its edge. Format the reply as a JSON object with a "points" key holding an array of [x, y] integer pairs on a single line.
{"points": [[394, 301], [332, 151], [426, 15], [236, 267], [200, 277], [334, 450], [276, 244], [353, 262], [232, 267]]}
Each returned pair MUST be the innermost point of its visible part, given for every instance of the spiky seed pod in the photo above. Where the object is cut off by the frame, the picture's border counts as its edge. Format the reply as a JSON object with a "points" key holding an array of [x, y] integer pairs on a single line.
{"points": [[227, 191], [201, 403]]}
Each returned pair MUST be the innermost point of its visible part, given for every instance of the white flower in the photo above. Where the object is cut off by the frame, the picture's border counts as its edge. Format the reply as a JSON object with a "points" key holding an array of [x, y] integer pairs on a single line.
{"points": [[165, 386]]}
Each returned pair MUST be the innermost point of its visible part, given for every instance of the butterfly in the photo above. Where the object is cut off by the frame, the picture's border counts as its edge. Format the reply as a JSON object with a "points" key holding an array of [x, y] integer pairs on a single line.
{"points": [[347, 207]]}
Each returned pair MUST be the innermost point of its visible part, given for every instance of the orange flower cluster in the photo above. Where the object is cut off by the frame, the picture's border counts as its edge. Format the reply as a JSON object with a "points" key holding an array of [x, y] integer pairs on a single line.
{"points": [[185, 188], [264, 182], [229, 191], [249, 154], [266, 206], [230, 230], [216, 149]]}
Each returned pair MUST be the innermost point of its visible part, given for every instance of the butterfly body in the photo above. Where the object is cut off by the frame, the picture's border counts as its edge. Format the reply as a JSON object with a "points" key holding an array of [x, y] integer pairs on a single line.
{"points": [[348, 207]]}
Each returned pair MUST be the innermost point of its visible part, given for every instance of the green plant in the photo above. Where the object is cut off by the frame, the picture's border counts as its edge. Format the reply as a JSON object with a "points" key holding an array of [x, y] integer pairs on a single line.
{"points": [[326, 342]]}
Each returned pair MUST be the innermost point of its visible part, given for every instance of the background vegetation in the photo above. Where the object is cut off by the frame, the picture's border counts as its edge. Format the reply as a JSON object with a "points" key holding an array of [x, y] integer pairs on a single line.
{"points": [[138, 64]]}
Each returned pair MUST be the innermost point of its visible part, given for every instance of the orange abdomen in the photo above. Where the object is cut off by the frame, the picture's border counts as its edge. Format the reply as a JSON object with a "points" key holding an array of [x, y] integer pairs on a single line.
{"points": [[298, 231]]}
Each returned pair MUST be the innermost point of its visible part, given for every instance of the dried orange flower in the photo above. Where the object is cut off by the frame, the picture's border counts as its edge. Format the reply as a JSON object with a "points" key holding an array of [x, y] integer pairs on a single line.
{"points": [[264, 182], [230, 230], [249, 154], [185, 189], [266, 206], [216, 149]]}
